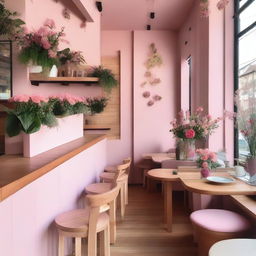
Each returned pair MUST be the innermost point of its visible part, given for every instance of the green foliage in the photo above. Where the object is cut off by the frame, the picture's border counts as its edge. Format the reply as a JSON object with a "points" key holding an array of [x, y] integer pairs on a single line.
{"points": [[96, 105], [12, 125], [68, 56], [79, 108], [37, 55], [8, 24], [106, 77]]}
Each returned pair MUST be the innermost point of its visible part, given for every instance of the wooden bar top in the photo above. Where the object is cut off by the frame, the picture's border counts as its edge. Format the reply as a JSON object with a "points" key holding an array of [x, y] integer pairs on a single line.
{"points": [[17, 171]]}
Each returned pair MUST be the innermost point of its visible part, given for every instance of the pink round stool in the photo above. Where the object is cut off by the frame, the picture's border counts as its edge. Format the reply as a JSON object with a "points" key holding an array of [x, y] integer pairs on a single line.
{"points": [[213, 225]]}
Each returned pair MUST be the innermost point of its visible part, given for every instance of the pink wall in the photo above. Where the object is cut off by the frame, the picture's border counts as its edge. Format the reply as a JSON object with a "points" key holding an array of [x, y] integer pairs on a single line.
{"points": [[113, 41], [152, 124], [85, 39], [26, 218], [212, 74], [144, 121]]}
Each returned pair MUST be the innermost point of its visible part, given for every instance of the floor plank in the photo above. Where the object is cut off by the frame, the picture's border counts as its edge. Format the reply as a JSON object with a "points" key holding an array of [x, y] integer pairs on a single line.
{"points": [[142, 231]]}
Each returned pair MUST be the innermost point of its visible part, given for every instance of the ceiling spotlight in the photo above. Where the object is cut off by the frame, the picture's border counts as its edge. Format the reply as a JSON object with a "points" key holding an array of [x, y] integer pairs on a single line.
{"points": [[99, 6], [152, 15], [148, 27]]}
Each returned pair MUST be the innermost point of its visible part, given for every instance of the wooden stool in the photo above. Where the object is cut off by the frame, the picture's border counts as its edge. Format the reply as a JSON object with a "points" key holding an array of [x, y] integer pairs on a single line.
{"points": [[99, 188], [145, 168], [234, 247], [109, 176], [88, 222], [213, 225]]}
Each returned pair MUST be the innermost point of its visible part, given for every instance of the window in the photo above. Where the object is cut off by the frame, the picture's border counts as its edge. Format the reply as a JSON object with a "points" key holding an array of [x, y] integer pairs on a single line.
{"points": [[245, 58]]}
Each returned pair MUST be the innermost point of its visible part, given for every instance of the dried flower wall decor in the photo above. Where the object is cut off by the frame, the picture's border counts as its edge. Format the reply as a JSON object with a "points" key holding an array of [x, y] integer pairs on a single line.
{"points": [[154, 60]]}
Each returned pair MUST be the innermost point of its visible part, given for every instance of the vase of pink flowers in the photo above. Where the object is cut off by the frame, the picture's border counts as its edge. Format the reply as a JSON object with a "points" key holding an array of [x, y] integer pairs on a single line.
{"points": [[207, 161], [188, 128], [38, 48]]}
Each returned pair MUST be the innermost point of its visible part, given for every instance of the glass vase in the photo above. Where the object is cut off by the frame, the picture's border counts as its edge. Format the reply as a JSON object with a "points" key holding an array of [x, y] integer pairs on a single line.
{"points": [[186, 149]]}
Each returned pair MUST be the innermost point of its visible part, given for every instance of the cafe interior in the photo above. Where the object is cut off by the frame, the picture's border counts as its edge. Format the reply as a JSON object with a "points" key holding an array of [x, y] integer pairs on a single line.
{"points": [[127, 127]]}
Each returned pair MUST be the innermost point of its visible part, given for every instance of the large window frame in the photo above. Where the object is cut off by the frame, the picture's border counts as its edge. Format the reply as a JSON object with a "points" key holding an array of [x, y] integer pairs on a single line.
{"points": [[237, 35]]}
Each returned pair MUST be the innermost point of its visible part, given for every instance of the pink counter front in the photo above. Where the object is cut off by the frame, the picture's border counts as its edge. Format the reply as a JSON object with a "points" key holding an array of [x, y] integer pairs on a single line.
{"points": [[34, 190]]}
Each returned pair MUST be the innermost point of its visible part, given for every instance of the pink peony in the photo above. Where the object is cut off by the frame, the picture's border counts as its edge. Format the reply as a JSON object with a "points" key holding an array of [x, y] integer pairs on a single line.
{"points": [[38, 99], [45, 43], [204, 157], [190, 134], [49, 23], [20, 98]]}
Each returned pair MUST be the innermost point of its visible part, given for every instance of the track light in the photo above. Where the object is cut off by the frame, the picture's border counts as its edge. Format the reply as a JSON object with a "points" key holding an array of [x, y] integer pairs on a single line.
{"points": [[148, 27], [152, 15], [99, 6]]}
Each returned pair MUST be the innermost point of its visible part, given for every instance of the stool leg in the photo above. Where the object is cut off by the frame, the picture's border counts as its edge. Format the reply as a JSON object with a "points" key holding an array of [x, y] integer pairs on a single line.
{"points": [[61, 245], [78, 247], [126, 192], [122, 201], [92, 244], [104, 242], [112, 219]]}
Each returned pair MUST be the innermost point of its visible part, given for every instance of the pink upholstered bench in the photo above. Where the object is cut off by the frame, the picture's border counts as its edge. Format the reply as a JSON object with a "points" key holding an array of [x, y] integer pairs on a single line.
{"points": [[213, 225]]}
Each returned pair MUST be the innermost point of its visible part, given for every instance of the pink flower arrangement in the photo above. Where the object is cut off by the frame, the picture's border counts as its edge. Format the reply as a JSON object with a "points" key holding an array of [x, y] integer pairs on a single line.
{"points": [[26, 98], [71, 99], [194, 126], [39, 47], [207, 159]]}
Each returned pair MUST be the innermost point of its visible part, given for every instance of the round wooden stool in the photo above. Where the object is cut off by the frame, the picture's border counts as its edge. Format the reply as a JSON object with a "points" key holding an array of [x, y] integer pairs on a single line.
{"points": [[213, 225], [234, 247]]}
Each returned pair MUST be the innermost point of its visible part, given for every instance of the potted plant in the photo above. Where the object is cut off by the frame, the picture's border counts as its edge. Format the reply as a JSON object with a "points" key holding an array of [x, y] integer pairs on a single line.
{"points": [[39, 48], [106, 77], [191, 127], [95, 106], [9, 24], [35, 118], [207, 161], [70, 62]]}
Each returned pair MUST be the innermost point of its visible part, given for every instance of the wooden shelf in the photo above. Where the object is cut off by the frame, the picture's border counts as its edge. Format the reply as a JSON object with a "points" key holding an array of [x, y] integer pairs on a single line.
{"points": [[37, 79], [96, 127]]}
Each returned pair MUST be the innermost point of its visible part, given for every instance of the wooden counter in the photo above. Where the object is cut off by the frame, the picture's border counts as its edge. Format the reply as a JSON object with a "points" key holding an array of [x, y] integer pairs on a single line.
{"points": [[17, 171]]}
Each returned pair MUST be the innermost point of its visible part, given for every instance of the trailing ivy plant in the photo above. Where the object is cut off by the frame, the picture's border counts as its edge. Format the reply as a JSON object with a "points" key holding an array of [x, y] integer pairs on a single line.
{"points": [[9, 25], [106, 78]]}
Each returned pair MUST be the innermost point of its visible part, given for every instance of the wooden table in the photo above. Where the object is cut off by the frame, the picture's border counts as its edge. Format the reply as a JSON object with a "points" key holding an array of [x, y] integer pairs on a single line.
{"points": [[159, 157], [192, 181]]}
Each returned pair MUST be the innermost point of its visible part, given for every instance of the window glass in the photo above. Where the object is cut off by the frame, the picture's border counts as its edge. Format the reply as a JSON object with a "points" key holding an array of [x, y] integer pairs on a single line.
{"points": [[247, 17]]}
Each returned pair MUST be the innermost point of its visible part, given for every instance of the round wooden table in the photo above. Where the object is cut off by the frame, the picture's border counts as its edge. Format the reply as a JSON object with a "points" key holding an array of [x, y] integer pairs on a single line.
{"points": [[167, 177]]}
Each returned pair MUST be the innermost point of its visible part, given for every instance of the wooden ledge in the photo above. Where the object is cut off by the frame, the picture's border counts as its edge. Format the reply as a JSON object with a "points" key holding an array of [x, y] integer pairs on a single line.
{"points": [[17, 171], [247, 203]]}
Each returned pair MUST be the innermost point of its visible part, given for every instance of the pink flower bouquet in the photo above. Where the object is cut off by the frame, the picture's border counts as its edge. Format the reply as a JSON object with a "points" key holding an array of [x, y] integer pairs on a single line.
{"points": [[39, 47], [193, 126], [207, 159]]}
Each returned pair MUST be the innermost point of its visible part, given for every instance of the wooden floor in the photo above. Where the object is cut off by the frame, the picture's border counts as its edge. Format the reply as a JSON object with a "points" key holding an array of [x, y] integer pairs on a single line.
{"points": [[142, 231]]}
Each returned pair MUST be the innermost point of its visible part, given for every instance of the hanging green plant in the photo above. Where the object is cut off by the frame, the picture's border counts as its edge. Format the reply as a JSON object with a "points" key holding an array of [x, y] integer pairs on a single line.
{"points": [[96, 105], [9, 25], [106, 77]]}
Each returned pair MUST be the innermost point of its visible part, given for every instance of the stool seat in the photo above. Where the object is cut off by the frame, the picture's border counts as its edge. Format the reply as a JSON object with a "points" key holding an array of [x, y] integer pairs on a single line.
{"points": [[98, 188], [110, 176], [234, 247], [219, 220], [110, 169], [77, 221]]}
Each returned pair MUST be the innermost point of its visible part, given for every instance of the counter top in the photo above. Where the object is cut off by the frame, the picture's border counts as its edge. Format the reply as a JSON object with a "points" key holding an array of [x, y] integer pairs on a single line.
{"points": [[17, 171]]}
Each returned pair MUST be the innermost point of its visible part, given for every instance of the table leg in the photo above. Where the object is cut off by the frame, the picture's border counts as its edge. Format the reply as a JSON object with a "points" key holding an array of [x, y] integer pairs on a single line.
{"points": [[168, 204]]}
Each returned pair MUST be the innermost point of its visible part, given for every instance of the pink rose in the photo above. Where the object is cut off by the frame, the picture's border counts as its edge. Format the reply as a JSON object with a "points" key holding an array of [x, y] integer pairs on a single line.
{"points": [[190, 134], [38, 99], [205, 165], [199, 109], [20, 98]]}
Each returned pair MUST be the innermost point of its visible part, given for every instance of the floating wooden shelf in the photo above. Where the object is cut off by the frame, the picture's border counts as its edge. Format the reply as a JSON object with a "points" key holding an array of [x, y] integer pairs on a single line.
{"points": [[96, 127], [36, 80]]}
